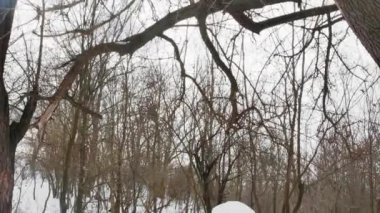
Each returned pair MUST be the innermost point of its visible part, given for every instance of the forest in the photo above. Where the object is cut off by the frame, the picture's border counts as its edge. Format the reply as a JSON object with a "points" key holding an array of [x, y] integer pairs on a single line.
{"points": [[179, 106]]}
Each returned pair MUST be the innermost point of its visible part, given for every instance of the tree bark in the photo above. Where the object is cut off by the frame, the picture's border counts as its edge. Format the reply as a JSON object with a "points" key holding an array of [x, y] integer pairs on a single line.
{"points": [[79, 204], [7, 148], [7, 157], [65, 179], [364, 19]]}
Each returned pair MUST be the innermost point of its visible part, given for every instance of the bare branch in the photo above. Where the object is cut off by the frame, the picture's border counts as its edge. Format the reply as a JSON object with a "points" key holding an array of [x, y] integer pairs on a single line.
{"points": [[133, 43], [257, 27], [234, 86]]}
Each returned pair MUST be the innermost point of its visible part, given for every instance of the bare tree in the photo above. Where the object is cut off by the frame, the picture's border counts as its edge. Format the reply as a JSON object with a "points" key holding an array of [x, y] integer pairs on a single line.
{"points": [[118, 41]]}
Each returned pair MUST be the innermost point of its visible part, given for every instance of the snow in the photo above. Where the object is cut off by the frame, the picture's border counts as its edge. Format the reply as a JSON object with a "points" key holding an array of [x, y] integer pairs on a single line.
{"points": [[232, 207], [30, 197]]}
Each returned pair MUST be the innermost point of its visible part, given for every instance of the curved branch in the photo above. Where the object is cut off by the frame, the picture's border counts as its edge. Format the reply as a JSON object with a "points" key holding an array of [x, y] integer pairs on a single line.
{"points": [[185, 75], [227, 71]]}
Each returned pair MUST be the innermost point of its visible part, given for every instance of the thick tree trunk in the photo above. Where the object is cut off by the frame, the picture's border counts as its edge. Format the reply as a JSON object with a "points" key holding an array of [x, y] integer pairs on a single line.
{"points": [[7, 155], [364, 19], [7, 148], [206, 196]]}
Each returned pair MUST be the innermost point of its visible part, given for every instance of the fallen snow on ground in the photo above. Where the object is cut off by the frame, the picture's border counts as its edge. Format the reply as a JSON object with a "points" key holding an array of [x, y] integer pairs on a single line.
{"points": [[232, 207], [30, 197]]}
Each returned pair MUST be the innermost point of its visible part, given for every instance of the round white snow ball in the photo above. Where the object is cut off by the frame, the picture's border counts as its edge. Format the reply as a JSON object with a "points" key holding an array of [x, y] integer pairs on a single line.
{"points": [[232, 207]]}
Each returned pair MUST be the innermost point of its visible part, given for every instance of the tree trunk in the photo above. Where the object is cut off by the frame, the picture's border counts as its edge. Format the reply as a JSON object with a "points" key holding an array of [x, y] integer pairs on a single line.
{"points": [[7, 151], [206, 196], [288, 179], [364, 19], [7, 158], [64, 205], [7, 148], [79, 207]]}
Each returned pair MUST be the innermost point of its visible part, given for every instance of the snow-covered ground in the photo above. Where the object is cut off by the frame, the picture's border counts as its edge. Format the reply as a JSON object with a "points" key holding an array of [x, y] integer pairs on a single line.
{"points": [[30, 197], [34, 194]]}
